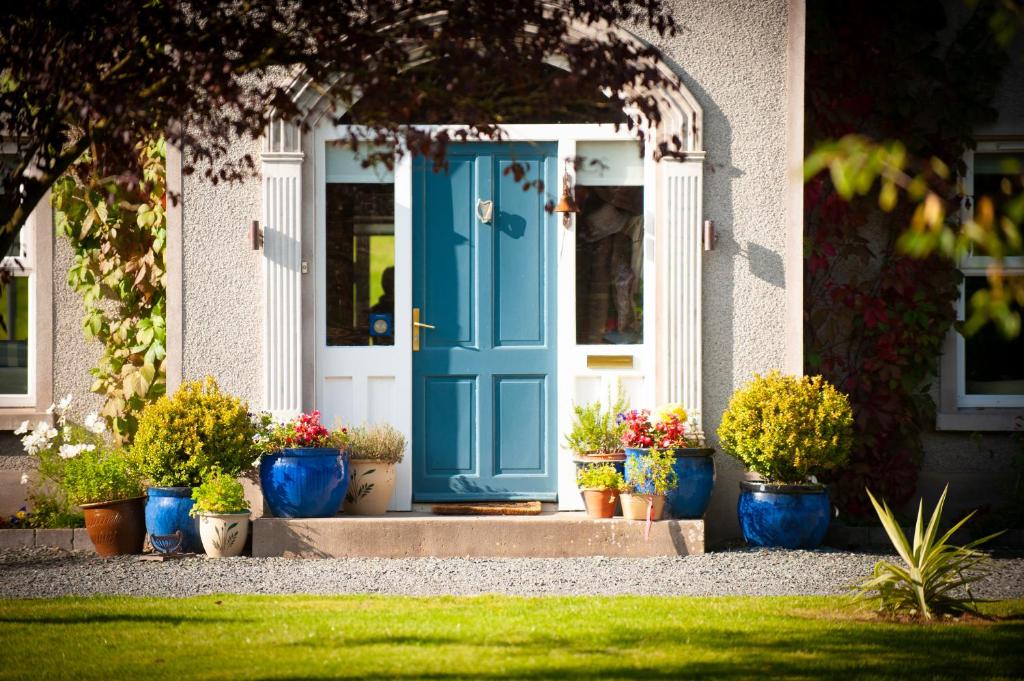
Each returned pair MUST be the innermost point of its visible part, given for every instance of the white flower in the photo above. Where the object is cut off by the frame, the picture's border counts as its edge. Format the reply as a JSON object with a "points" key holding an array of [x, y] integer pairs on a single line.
{"points": [[49, 410], [22, 429], [68, 451], [257, 438], [94, 423], [24, 478], [65, 403]]}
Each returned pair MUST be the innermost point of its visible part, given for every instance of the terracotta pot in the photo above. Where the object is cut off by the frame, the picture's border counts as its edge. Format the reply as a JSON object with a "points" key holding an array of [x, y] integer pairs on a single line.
{"points": [[600, 502], [369, 487], [116, 528], [634, 506], [223, 534]]}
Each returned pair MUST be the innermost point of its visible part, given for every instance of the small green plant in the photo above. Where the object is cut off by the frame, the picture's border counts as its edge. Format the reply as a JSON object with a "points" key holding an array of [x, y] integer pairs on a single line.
{"points": [[788, 428], [100, 475], [377, 442], [198, 428], [219, 493], [596, 430], [603, 476], [653, 470], [935, 576]]}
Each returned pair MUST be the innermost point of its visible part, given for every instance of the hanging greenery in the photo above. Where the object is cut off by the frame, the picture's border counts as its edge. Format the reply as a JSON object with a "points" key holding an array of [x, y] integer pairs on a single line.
{"points": [[118, 232]]}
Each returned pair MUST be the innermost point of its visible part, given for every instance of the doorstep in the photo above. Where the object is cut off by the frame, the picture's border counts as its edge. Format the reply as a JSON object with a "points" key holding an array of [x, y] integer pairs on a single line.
{"points": [[420, 535]]}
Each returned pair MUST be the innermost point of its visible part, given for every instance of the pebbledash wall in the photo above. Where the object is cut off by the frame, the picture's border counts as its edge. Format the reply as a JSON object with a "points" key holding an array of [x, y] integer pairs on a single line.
{"points": [[743, 61]]}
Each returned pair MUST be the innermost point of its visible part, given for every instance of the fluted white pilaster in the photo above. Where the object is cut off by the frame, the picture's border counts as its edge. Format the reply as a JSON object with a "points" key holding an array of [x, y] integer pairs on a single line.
{"points": [[680, 354], [282, 282]]}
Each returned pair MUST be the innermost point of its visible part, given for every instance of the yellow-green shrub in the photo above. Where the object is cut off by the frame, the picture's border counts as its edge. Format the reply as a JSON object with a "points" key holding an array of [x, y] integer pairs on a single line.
{"points": [[198, 428], [787, 428]]}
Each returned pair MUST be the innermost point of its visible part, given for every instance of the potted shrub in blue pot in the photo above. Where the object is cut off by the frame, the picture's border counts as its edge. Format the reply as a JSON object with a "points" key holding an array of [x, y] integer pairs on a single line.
{"points": [[787, 430], [179, 438], [694, 465], [304, 469]]}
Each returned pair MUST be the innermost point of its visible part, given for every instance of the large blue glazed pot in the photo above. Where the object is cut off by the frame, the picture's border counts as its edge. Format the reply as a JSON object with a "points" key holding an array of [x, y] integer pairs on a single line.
{"points": [[633, 454], [695, 467], [784, 516], [307, 482], [166, 512]]}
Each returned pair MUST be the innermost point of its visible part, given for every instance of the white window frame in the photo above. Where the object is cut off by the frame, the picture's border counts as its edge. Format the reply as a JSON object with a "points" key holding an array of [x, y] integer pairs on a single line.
{"points": [[24, 265], [959, 410]]}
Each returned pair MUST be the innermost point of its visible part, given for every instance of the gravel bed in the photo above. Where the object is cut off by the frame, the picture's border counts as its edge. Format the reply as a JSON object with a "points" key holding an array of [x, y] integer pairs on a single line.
{"points": [[45, 572]]}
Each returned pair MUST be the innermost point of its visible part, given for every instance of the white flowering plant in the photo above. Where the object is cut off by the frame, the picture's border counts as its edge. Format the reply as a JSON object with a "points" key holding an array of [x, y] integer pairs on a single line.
{"points": [[53, 443]]}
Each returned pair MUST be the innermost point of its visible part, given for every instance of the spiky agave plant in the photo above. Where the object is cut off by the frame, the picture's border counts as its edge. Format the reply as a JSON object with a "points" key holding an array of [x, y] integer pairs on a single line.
{"points": [[936, 576]]}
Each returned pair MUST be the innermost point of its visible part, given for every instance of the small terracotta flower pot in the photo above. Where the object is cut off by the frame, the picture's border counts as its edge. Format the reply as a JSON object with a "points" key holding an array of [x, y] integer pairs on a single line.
{"points": [[116, 528], [600, 502], [634, 506]]}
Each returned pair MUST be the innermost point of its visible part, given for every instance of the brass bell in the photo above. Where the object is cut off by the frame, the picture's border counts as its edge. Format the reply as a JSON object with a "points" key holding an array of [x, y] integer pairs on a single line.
{"points": [[567, 203]]}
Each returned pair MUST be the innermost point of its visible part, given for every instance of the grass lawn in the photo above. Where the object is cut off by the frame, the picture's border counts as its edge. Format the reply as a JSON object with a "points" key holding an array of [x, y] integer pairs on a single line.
{"points": [[291, 637]]}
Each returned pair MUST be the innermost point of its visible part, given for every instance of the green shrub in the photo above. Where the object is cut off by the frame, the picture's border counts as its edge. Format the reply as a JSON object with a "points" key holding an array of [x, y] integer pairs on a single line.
{"points": [[378, 442], [219, 493], [653, 468], [596, 431], [100, 475], [787, 428], [935, 577], [197, 429], [603, 476]]}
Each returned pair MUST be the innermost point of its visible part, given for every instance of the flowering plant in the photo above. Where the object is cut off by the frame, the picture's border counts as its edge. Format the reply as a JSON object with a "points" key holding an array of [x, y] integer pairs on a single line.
{"points": [[305, 430], [667, 429], [53, 445]]}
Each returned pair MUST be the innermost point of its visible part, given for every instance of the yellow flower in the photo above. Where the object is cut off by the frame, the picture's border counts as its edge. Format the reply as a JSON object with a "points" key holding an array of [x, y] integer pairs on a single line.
{"points": [[666, 411]]}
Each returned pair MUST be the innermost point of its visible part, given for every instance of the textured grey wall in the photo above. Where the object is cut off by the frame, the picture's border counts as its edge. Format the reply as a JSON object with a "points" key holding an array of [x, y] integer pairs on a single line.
{"points": [[73, 355]]}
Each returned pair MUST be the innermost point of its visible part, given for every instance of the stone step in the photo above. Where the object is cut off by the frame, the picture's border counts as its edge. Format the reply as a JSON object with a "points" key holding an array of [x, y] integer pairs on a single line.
{"points": [[417, 535]]}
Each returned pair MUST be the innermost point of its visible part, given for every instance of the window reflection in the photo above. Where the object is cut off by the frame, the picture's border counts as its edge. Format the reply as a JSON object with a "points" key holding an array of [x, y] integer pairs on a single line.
{"points": [[14, 338], [609, 265], [360, 253], [994, 364]]}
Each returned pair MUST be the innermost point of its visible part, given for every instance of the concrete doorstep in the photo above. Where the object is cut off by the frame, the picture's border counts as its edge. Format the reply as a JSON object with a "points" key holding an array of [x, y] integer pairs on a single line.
{"points": [[416, 535]]}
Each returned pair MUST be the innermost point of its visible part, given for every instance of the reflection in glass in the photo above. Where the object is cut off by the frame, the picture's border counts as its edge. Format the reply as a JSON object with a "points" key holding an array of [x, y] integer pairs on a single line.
{"points": [[999, 177], [993, 364], [14, 338], [360, 253], [609, 265]]}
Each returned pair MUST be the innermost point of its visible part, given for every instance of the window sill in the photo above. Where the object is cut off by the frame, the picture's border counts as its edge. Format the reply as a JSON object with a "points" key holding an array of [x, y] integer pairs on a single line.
{"points": [[12, 417], [991, 419]]}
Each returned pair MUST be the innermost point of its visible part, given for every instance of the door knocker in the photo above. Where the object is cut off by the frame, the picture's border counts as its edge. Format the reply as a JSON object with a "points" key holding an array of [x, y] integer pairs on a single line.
{"points": [[484, 211]]}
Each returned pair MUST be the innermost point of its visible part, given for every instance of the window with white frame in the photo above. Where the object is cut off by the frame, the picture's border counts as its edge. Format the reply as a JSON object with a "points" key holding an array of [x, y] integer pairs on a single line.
{"points": [[17, 307], [990, 367]]}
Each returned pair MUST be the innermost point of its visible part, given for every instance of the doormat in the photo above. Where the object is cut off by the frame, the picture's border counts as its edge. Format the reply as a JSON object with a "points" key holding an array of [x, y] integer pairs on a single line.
{"points": [[488, 508]]}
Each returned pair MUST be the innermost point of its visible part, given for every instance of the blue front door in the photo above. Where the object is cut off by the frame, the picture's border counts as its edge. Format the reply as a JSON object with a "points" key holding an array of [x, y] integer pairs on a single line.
{"points": [[484, 410]]}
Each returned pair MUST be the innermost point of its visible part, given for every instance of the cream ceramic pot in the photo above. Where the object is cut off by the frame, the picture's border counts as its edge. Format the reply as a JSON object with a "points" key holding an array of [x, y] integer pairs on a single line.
{"points": [[223, 534], [370, 485]]}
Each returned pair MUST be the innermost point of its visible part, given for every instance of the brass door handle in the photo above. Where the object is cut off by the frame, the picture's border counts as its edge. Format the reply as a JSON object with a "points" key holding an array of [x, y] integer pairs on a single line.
{"points": [[416, 326]]}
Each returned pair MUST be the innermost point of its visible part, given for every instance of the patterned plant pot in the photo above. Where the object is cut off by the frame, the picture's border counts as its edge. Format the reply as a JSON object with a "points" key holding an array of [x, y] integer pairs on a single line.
{"points": [[370, 486], [116, 528], [307, 482], [634, 506], [224, 534], [695, 468], [167, 512], [633, 453], [784, 516]]}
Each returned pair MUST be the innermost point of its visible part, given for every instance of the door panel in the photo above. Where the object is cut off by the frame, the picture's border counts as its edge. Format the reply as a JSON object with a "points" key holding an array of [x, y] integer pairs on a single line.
{"points": [[484, 378]]}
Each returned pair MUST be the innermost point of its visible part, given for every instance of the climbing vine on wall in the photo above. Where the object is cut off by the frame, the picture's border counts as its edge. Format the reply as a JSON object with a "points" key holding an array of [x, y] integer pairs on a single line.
{"points": [[118, 234]]}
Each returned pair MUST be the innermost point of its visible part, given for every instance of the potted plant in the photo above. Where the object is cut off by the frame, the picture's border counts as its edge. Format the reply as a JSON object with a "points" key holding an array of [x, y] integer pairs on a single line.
{"points": [[649, 477], [599, 484], [103, 484], [787, 430], [219, 502], [374, 451], [694, 462], [179, 438], [596, 433], [304, 467]]}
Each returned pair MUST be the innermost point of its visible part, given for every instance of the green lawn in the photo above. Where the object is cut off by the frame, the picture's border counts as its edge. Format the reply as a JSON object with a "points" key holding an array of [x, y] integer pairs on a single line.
{"points": [[489, 637]]}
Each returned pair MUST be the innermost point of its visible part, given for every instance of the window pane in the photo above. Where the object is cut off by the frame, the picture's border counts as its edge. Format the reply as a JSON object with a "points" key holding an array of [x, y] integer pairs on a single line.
{"points": [[609, 265], [999, 177], [14, 338], [993, 364], [360, 302]]}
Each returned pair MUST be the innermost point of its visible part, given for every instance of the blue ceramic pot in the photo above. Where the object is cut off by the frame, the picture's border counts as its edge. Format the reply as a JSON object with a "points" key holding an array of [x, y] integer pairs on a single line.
{"points": [[307, 482], [696, 470], [784, 516], [167, 511], [637, 455]]}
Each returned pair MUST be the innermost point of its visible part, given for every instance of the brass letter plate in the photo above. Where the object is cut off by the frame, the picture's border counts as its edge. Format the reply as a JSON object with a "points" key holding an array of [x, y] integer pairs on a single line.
{"points": [[609, 361]]}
